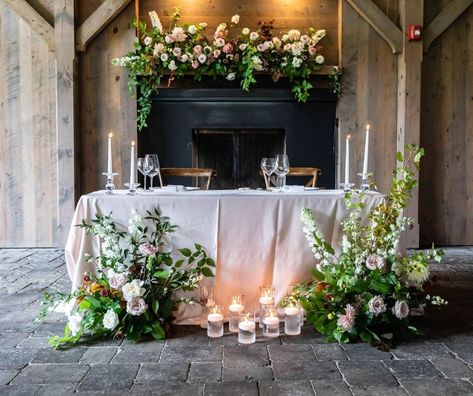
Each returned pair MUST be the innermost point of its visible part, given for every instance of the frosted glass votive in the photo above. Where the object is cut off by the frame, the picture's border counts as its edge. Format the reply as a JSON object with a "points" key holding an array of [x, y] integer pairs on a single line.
{"points": [[292, 320], [271, 322], [235, 308], [246, 328], [215, 322]]}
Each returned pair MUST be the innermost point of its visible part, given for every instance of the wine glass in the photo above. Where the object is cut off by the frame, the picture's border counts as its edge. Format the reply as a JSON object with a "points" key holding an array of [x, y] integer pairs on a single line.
{"points": [[139, 166], [151, 166], [282, 168], [268, 166]]}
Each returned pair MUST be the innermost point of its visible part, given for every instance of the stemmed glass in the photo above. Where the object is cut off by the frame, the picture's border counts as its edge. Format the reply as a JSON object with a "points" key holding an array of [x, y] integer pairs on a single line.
{"points": [[268, 166], [151, 166], [282, 168], [139, 166]]}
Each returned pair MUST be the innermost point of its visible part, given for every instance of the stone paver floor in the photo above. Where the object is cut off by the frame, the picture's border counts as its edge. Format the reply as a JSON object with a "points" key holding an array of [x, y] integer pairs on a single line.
{"points": [[189, 363]]}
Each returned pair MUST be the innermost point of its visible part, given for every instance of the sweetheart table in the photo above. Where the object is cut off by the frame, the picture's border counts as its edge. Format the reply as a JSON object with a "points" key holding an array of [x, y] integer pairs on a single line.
{"points": [[255, 237]]}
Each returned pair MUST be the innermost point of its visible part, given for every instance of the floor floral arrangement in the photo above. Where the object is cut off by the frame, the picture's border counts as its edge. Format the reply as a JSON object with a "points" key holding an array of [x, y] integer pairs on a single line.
{"points": [[189, 49], [369, 291], [133, 293]]}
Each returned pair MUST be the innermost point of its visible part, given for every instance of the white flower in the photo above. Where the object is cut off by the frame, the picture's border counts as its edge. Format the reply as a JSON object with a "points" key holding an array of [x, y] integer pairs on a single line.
{"points": [[172, 65], [235, 19], [178, 34], [168, 39], [203, 24], [417, 273], [184, 58], [133, 289], [261, 47], [136, 306], [148, 40], [116, 280], [176, 51], [276, 42], [221, 27], [243, 47], [257, 63], [245, 31], [401, 309], [296, 49], [285, 37], [268, 45], [155, 21], [158, 48], [319, 35], [202, 58], [376, 305], [375, 261], [254, 35], [219, 42], [305, 39], [75, 323], [319, 59], [294, 34], [110, 320], [192, 29], [296, 62], [230, 77]]}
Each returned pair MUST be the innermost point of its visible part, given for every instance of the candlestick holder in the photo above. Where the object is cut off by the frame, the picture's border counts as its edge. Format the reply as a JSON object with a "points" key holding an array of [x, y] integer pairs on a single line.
{"points": [[347, 186], [132, 188], [365, 184], [109, 187]]}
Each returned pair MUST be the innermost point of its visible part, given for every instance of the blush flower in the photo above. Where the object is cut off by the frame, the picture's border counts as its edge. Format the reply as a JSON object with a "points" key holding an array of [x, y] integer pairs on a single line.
{"points": [[401, 309], [164, 57], [176, 51], [116, 280], [136, 306], [375, 261], [347, 321], [254, 35], [197, 49], [133, 289], [148, 40], [178, 34], [227, 48], [195, 64], [376, 305]]}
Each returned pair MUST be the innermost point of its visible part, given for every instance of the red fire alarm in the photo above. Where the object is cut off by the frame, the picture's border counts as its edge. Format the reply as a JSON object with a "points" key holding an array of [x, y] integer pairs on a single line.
{"points": [[414, 33]]}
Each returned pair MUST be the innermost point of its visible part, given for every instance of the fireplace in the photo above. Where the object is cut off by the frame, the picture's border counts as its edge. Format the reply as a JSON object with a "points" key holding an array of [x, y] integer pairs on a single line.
{"points": [[230, 130]]}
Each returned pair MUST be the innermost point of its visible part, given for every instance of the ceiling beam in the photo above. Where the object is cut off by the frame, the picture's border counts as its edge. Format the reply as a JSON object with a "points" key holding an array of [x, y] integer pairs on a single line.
{"points": [[379, 21], [97, 21], [35, 20], [443, 20]]}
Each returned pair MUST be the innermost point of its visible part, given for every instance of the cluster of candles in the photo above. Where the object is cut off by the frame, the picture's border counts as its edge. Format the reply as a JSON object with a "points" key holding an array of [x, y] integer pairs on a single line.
{"points": [[364, 175], [109, 187], [244, 322]]}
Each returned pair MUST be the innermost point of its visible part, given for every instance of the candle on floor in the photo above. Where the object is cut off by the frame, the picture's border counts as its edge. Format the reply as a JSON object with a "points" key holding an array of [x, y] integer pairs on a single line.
{"points": [[347, 161], [132, 165], [365, 159], [246, 328], [215, 322], [292, 322], [266, 297], [271, 322], [109, 154], [235, 308]]}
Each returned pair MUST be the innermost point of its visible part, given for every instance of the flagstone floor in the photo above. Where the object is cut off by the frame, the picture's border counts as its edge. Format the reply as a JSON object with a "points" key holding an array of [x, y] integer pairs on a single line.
{"points": [[190, 364]]}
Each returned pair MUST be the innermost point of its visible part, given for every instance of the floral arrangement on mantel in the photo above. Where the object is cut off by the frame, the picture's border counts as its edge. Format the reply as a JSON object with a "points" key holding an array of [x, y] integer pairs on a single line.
{"points": [[184, 49], [134, 290], [369, 291]]}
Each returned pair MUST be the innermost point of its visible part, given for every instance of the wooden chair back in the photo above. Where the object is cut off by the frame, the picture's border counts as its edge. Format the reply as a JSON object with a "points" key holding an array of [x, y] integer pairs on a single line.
{"points": [[313, 173], [189, 172]]}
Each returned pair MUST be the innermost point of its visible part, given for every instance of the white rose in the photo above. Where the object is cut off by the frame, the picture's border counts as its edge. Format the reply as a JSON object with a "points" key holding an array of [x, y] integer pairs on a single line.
{"points": [[133, 289], [110, 320], [168, 39], [285, 37], [376, 305], [136, 306], [116, 280], [184, 58], [219, 42], [192, 29], [235, 19], [148, 40], [172, 65], [246, 31], [243, 47], [202, 58], [319, 59], [296, 62], [254, 35], [230, 77], [176, 51], [401, 309], [74, 323], [164, 58]]}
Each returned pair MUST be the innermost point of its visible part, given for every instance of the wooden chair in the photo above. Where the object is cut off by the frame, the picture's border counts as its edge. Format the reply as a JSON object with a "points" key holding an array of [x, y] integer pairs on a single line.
{"points": [[300, 171], [189, 172]]}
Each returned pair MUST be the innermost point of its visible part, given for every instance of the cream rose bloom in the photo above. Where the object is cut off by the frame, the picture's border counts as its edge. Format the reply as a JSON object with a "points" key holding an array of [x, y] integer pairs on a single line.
{"points": [[245, 31], [235, 19], [133, 289], [192, 29], [319, 59], [110, 320]]}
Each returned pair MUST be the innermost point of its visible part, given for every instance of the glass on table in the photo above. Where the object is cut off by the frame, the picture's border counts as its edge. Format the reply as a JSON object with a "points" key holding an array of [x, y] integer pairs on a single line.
{"points": [[247, 328], [139, 166], [282, 169], [236, 306], [151, 166], [268, 166], [215, 322], [266, 298]]}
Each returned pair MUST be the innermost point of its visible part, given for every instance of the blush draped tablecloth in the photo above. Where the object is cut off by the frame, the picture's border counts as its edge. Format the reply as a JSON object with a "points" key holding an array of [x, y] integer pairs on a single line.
{"points": [[255, 237]]}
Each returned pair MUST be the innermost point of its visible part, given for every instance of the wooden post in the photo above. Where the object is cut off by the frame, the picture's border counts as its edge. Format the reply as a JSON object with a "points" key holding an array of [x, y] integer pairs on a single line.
{"points": [[409, 100], [65, 113]]}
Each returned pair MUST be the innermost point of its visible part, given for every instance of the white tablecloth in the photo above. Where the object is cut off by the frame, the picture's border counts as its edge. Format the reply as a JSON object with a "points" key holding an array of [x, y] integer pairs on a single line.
{"points": [[255, 237]]}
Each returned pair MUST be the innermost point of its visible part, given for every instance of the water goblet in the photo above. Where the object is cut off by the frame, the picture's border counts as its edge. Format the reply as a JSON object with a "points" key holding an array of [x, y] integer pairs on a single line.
{"points": [[139, 166], [151, 166], [282, 169], [268, 166]]}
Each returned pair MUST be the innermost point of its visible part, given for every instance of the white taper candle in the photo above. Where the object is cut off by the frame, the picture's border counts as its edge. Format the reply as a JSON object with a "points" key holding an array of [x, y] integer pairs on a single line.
{"points": [[347, 160], [132, 165], [109, 154], [365, 159]]}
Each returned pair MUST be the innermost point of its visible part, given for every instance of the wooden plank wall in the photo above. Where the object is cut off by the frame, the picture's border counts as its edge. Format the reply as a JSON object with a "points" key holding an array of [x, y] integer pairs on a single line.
{"points": [[28, 192], [446, 190]]}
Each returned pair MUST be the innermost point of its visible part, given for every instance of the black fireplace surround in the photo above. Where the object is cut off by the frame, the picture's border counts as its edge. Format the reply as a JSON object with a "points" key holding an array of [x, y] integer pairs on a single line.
{"points": [[180, 118]]}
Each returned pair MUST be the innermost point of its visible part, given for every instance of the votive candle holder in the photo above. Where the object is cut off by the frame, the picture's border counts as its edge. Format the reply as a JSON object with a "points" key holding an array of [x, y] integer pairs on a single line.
{"points": [[292, 320], [247, 328], [236, 306], [271, 322], [266, 298], [215, 322]]}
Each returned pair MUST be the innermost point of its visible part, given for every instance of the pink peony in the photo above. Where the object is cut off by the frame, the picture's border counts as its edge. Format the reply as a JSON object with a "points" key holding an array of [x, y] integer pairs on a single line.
{"points": [[147, 249], [178, 34], [376, 305], [375, 261], [158, 48], [219, 42], [176, 51], [116, 280], [136, 306], [217, 53], [227, 48], [312, 51], [401, 309], [197, 49], [195, 64], [347, 321]]}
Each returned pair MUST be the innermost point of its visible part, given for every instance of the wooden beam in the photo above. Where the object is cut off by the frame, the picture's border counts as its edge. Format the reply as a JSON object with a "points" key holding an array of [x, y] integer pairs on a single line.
{"points": [[65, 113], [96, 22], [443, 20], [379, 22], [409, 102], [35, 20]]}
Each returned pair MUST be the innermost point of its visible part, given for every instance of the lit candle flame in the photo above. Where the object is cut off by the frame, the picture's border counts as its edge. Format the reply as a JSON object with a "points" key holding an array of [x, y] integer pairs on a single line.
{"points": [[348, 136], [368, 127], [132, 142], [110, 135]]}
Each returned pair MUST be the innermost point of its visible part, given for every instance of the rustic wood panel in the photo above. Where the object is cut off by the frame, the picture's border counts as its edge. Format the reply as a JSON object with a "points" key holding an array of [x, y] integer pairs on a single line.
{"points": [[446, 190], [287, 14], [105, 104], [28, 193]]}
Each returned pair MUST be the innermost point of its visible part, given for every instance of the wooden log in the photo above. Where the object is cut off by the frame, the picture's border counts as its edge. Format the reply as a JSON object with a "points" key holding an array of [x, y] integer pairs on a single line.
{"points": [[96, 22], [443, 20], [65, 113], [35, 20]]}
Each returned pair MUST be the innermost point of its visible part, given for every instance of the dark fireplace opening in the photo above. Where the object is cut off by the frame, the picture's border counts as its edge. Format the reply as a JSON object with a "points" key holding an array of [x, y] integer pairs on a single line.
{"points": [[235, 154]]}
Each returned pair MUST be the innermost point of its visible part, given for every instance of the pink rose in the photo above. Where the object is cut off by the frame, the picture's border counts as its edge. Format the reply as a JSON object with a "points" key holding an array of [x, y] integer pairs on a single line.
{"points": [[147, 249], [375, 261], [227, 48], [347, 320], [376, 305], [401, 309], [261, 48], [217, 53], [312, 51], [195, 64], [136, 306], [197, 49]]}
